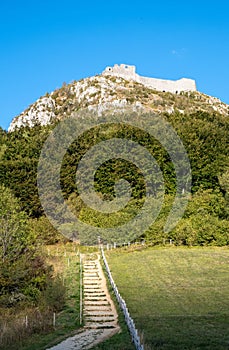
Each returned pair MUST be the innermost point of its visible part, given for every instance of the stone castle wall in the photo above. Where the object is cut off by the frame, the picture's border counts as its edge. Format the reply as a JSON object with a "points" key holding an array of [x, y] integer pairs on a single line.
{"points": [[129, 73]]}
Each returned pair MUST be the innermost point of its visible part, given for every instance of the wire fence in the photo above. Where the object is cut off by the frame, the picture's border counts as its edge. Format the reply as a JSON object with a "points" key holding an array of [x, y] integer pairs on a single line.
{"points": [[129, 321], [15, 330], [114, 245]]}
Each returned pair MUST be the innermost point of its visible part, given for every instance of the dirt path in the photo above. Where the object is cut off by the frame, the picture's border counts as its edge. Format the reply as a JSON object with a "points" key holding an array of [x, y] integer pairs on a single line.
{"points": [[100, 315]]}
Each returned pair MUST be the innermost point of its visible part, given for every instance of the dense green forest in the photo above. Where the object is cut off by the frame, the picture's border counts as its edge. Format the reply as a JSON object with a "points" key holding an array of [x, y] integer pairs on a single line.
{"points": [[205, 137]]}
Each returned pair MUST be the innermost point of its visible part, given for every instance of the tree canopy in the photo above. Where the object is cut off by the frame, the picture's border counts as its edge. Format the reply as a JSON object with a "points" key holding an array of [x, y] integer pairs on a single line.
{"points": [[204, 135]]}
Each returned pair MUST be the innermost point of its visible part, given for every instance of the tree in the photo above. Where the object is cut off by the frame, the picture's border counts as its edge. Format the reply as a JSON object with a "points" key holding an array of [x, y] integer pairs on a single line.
{"points": [[224, 182], [45, 232], [204, 222], [15, 236]]}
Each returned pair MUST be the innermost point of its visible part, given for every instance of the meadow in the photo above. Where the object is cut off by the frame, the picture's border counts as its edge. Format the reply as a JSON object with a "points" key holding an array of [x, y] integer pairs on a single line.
{"points": [[177, 296]]}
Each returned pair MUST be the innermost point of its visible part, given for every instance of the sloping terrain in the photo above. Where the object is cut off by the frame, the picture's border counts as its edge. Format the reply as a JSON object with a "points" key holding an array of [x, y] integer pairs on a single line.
{"points": [[100, 315], [102, 92]]}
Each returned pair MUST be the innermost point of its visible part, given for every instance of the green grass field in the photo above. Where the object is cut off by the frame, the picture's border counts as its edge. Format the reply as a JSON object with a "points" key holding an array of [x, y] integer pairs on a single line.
{"points": [[178, 297]]}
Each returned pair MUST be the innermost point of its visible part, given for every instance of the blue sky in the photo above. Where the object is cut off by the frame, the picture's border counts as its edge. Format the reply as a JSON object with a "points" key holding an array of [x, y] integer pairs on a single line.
{"points": [[46, 43]]}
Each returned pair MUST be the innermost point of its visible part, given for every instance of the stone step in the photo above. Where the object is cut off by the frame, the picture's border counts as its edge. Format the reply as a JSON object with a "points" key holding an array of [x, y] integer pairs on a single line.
{"points": [[94, 325], [101, 318], [95, 298], [90, 262], [99, 308], [91, 276], [96, 302], [99, 312], [95, 295], [94, 281], [91, 271], [91, 292]]}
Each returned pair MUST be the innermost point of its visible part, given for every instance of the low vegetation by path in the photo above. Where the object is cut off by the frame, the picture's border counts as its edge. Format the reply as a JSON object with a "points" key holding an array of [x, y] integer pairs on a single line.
{"points": [[178, 297], [65, 260]]}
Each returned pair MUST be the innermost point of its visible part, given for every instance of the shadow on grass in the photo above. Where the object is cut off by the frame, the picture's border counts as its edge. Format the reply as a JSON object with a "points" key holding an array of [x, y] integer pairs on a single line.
{"points": [[208, 332]]}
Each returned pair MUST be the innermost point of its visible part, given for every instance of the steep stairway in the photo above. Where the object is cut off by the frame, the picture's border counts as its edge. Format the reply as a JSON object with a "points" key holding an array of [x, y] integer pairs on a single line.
{"points": [[99, 312], [99, 309]]}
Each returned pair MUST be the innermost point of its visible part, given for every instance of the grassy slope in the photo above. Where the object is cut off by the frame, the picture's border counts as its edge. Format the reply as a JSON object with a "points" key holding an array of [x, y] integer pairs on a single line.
{"points": [[178, 296]]}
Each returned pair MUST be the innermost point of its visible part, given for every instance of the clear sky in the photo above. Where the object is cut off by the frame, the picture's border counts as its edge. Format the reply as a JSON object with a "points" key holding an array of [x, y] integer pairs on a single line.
{"points": [[46, 43]]}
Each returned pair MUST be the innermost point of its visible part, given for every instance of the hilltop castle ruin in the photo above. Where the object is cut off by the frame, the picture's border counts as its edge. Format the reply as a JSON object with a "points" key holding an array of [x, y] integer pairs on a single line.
{"points": [[129, 73]]}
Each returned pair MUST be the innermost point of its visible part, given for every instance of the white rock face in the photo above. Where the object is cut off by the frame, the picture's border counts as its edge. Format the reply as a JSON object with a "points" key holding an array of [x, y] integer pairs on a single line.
{"points": [[97, 92], [41, 112]]}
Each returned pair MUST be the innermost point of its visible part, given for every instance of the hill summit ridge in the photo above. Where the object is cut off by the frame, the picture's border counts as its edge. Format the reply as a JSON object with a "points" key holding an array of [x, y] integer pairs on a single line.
{"points": [[112, 90]]}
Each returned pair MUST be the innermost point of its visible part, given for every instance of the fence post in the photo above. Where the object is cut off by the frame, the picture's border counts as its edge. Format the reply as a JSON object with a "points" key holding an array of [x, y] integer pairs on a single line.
{"points": [[81, 290], [99, 241], [26, 321], [54, 319]]}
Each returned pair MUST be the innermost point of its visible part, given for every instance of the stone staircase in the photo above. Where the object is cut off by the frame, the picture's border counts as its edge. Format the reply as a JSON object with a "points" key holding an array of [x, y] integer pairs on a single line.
{"points": [[99, 310], [99, 313]]}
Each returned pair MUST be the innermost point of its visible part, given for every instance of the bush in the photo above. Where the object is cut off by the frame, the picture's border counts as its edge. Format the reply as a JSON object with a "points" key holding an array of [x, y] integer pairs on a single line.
{"points": [[44, 231], [201, 230], [53, 296]]}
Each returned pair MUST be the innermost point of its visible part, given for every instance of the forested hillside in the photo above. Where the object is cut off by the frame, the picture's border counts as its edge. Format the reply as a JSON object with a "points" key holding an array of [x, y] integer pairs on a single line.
{"points": [[205, 137]]}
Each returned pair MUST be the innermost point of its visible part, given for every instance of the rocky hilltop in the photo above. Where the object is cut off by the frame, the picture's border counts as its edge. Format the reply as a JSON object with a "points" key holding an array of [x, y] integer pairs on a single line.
{"points": [[109, 91]]}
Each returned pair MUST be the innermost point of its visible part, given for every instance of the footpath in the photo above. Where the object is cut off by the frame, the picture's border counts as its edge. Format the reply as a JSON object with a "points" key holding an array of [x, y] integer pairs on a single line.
{"points": [[99, 312]]}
